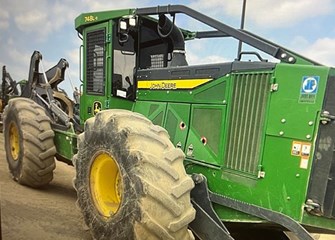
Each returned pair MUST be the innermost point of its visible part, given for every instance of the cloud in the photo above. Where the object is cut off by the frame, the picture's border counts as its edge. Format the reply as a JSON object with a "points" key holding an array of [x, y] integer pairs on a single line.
{"points": [[73, 72], [322, 50], [299, 42], [20, 69], [268, 13], [194, 58], [104, 5], [73, 56], [39, 19], [4, 24], [4, 19], [29, 20], [46, 18]]}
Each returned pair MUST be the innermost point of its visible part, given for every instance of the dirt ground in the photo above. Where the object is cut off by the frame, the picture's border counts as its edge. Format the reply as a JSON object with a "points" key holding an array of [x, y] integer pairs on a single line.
{"points": [[48, 213]]}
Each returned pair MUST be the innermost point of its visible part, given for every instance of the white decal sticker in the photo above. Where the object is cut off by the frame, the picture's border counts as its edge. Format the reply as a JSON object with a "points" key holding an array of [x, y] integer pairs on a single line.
{"points": [[306, 149], [296, 148], [304, 163]]}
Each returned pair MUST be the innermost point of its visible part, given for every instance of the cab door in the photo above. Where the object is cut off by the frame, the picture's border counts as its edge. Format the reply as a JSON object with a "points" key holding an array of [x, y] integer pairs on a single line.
{"points": [[124, 58], [94, 97]]}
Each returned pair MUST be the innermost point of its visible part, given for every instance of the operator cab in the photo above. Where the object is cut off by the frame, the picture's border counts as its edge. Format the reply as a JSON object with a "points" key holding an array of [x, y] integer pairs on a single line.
{"points": [[148, 45]]}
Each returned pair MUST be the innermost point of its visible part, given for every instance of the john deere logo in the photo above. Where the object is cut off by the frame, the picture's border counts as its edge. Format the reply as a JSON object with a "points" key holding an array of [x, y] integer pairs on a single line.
{"points": [[96, 107]]}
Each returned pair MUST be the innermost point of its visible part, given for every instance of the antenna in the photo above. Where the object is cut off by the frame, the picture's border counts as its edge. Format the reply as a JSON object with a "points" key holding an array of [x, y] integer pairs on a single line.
{"points": [[242, 27]]}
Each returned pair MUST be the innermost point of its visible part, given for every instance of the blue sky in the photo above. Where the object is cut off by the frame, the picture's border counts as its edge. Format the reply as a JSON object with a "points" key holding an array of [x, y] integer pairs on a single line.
{"points": [[305, 26]]}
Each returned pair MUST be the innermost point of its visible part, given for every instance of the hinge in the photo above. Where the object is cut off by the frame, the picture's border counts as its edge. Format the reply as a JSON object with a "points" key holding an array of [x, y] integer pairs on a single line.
{"points": [[190, 151], [313, 207], [108, 37], [326, 117], [274, 87], [107, 104], [261, 174]]}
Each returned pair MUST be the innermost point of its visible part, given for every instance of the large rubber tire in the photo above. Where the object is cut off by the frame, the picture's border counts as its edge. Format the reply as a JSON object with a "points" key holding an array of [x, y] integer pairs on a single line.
{"points": [[29, 142], [155, 189]]}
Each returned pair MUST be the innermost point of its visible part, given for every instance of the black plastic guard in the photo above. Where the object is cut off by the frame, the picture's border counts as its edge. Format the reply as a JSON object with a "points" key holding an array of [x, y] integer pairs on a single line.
{"points": [[321, 188], [206, 224]]}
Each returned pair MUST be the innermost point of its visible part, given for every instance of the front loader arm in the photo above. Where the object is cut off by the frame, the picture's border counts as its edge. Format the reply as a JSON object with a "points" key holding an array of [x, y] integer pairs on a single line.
{"points": [[56, 74], [33, 76]]}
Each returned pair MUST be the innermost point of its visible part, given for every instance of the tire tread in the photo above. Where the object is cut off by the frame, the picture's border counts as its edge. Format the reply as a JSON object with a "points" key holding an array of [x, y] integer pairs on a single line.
{"points": [[38, 148]]}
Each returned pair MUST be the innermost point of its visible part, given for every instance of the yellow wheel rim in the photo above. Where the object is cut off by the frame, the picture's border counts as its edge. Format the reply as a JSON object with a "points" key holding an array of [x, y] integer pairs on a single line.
{"points": [[14, 141], [106, 184]]}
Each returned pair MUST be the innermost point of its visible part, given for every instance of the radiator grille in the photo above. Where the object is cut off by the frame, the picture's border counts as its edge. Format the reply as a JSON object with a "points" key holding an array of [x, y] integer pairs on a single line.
{"points": [[246, 122], [95, 56]]}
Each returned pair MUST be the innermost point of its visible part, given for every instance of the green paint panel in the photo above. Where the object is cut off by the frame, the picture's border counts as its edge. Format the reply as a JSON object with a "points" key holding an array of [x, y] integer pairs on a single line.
{"points": [[120, 103], [205, 138], [283, 189], [66, 143], [287, 116], [216, 91], [283, 181], [324, 223], [155, 111], [177, 123], [93, 18]]}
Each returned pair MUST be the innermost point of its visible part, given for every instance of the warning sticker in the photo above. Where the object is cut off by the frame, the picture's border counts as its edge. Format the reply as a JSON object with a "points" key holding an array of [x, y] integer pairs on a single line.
{"points": [[301, 149], [304, 163], [296, 148], [305, 149], [309, 89]]}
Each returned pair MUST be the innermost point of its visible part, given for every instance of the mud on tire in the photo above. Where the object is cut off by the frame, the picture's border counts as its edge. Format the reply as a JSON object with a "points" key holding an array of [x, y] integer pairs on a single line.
{"points": [[155, 193], [29, 142]]}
